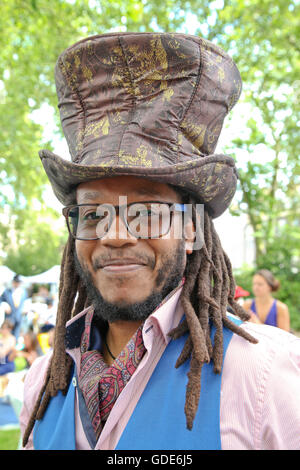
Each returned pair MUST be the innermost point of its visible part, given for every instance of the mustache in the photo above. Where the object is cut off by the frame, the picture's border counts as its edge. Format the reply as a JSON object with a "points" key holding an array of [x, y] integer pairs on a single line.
{"points": [[101, 260]]}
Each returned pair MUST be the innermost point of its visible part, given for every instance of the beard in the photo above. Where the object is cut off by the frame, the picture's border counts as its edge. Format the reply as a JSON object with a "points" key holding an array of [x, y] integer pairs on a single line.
{"points": [[168, 277]]}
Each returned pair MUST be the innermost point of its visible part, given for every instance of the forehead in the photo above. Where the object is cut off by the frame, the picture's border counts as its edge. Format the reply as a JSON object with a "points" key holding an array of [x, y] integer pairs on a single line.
{"points": [[259, 278], [134, 188]]}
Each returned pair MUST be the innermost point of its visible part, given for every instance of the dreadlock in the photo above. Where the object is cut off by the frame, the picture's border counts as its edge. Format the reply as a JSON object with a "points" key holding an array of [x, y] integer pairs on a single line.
{"points": [[208, 290]]}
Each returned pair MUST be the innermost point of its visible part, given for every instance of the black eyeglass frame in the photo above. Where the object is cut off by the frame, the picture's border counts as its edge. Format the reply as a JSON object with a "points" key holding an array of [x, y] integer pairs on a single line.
{"points": [[120, 211]]}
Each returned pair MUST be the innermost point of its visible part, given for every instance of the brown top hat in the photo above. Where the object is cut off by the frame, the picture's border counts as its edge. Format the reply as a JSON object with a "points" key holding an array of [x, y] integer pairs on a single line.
{"points": [[150, 105]]}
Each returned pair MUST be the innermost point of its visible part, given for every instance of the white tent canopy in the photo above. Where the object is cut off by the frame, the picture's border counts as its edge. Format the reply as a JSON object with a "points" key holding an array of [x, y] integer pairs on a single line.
{"points": [[48, 277], [51, 276], [6, 274]]}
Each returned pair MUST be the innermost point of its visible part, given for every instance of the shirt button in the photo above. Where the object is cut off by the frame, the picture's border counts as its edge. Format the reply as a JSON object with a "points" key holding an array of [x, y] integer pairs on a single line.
{"points": [[148, 329]]}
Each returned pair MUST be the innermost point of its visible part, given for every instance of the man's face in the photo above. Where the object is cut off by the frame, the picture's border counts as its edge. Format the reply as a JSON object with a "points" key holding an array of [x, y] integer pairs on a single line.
{"points": [[129, 276]]}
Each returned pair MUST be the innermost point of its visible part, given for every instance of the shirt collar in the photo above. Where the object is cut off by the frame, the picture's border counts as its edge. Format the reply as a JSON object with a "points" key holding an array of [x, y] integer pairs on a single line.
{"points": [[166, 317], [168, 314]]}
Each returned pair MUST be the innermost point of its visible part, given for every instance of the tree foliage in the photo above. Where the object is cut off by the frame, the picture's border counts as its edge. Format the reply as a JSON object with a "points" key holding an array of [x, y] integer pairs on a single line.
{"points": [[264, 39], [38, 242]]}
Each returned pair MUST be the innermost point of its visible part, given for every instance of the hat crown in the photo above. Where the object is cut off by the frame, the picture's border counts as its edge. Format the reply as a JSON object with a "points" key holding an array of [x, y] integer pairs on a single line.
{"points": [[150, 105], [144, 99]]}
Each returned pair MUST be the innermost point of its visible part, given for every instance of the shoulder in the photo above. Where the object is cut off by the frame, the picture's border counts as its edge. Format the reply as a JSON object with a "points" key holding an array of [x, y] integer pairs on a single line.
{"points": [[35, 378], [261, 386], [275, 346], [281, 307], [247, 304], [271, 340]]}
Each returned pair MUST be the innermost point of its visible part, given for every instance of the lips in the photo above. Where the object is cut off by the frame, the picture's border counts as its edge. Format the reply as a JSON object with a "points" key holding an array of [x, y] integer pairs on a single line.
{"points": [[120, 265]]}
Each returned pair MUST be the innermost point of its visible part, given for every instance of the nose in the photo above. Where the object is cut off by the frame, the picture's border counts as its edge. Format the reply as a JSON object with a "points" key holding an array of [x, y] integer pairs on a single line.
{"points": [[118, 235]]}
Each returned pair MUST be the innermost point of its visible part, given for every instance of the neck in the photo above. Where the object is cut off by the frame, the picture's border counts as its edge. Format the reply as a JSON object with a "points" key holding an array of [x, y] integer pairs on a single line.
{"points": [[265, 298], [118, 335]]}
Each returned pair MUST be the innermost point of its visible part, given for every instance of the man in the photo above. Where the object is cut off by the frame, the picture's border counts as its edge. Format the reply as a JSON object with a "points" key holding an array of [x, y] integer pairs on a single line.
{"points": [[145, 355], [15, 297]]}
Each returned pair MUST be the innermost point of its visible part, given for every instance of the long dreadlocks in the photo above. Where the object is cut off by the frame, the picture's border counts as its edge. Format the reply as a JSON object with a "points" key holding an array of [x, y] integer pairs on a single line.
{"points": [[208, 290]]}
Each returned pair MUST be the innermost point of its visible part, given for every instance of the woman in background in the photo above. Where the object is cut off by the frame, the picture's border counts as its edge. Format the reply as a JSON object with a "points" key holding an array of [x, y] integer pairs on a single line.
{"points": [[7, 345], [264, 308]]}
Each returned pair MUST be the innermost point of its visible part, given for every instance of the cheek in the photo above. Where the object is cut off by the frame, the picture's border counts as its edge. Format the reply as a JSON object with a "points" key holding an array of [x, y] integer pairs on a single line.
{"points": [[171, 259], [163, 248], [84, 250], [264, 287]]}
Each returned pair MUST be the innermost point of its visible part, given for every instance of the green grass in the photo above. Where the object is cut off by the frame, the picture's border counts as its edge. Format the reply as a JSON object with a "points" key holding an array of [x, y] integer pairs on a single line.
{"points": [[9, 439]]}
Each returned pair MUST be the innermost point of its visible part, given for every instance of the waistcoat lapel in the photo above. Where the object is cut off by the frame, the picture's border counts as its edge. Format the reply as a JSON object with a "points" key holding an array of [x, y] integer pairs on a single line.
{"points": [[158, 421]]}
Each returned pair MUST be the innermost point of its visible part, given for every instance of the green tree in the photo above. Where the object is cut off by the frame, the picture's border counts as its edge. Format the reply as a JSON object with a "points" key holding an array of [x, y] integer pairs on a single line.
{"points": [[35, 244], [263, 37]]}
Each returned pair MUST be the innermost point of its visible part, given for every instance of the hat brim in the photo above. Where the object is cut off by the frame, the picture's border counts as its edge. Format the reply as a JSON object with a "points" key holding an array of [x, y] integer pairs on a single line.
{"points": [[212, 179]]}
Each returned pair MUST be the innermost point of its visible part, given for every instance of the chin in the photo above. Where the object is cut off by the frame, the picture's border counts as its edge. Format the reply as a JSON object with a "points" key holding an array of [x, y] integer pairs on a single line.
{"points": [[124, 293], [123, 301]]}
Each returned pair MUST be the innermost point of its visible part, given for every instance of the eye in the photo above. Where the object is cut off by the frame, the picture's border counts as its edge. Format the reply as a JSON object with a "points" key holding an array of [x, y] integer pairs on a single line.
{"points": [[91, 216]]}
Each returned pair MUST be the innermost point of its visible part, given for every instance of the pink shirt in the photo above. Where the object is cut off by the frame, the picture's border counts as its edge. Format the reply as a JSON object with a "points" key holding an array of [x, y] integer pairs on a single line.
{"points": [[260, 390]]}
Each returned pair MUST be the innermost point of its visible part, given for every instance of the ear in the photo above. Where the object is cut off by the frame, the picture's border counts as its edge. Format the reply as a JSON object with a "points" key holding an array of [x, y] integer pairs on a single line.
{"points": [[189, 235]]}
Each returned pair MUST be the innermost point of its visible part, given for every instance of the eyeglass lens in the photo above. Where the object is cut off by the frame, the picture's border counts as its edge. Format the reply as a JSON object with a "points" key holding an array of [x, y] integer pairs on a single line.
{"points": [[143, 220]]}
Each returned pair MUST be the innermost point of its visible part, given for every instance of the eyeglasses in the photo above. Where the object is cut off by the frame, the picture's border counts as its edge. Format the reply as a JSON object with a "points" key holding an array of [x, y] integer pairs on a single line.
{"points": [[147, 219]]}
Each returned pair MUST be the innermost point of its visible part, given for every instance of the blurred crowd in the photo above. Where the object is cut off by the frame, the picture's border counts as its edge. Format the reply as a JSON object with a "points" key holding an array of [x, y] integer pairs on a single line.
{"points": [[27, 324]]}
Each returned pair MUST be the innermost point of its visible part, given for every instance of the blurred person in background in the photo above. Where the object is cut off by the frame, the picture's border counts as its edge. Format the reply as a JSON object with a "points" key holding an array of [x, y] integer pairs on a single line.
{"points": [[7, 345], [41, 295], [264, 308], [46, 336], [51, 338], [4, 310], [15, 297], [50, 314], [240, 293], [31, 350]]}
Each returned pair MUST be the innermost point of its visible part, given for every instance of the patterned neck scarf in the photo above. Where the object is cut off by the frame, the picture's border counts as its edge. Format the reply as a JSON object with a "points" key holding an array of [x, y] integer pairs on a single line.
{"points": [[100, 383]]}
